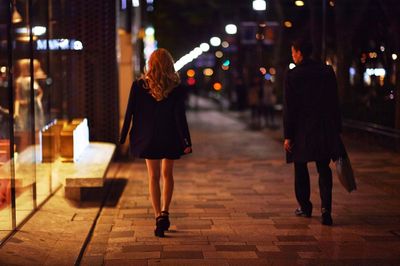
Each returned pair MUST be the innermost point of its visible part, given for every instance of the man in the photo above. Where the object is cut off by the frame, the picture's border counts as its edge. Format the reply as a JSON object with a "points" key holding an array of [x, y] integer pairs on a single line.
{"points": [[312, 126]]}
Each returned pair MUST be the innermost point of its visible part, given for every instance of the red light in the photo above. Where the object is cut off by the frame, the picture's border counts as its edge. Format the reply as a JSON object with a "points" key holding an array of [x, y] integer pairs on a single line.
{"points": [[191, 81]]}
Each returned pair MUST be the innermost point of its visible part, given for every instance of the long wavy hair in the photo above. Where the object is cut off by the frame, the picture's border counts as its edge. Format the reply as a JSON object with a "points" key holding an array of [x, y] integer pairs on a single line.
{"points": [[161, 77]]}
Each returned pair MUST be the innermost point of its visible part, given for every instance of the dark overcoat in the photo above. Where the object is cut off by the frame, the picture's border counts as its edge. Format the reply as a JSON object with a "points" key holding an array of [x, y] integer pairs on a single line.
{"points": [[312, 119], [156, 125]]}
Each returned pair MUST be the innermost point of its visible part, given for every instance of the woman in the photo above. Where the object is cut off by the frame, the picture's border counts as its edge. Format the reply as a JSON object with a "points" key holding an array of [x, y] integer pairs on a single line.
{"points": [[159, 133]]}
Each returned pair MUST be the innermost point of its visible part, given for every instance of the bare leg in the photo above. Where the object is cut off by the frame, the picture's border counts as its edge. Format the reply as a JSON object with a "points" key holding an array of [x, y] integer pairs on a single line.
{"points": [[153, 170], [168, 178]]}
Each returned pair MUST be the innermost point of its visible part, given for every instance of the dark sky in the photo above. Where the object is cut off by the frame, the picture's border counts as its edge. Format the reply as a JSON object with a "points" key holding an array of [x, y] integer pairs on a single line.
{"points": [[183, 24]]}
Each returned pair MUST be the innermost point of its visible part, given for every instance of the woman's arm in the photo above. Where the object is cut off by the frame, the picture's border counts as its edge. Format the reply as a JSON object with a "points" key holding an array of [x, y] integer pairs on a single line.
{"points": [[128, 114], [181, 122]]}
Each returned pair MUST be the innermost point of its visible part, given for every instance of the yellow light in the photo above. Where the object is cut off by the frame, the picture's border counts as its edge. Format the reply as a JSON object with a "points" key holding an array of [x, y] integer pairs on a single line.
{"points": [[299, 3], [190, 73], [3, 69], [219, 54], [288, 24], [217, 86], [208, 72], [332, 3]]}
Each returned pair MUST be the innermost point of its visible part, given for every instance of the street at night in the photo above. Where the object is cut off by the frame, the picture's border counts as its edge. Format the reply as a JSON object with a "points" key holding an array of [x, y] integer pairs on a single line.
{"points": [[186, 132]]}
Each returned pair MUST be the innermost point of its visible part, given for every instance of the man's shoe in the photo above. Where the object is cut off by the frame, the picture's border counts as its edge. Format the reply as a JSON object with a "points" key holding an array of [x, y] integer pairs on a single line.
{"points": [[326, 218], [302, 213]]}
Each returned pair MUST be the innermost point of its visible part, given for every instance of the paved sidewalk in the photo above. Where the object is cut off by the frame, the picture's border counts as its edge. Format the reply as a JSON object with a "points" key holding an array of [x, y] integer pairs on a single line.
{"points": [[234, 203]]}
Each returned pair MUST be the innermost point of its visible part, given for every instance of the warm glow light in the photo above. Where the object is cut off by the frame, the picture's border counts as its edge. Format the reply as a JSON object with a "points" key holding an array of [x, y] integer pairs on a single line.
{"points": [[292, 65], [190, 73], [259, 5], [3, 69], [225, 44], [208, 72], [215, 41], [263, 70], [272, 71], [332, 3], [288, 24], [299, 3], [217, 86], [231, 29], [394, 56], [219, 54]]}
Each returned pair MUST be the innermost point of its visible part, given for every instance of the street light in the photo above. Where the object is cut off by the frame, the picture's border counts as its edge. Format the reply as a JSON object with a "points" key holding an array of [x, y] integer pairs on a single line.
{"points": [[231, 29], [215, 41], [204, 47], [259, 5]]}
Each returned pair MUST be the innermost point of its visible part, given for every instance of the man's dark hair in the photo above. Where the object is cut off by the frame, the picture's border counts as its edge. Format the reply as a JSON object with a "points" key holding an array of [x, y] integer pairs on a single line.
{"points": [[304, 46]]}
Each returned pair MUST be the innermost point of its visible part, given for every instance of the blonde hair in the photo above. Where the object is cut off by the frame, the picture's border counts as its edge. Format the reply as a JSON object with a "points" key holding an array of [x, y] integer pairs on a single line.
{"points": [[161, 77]]}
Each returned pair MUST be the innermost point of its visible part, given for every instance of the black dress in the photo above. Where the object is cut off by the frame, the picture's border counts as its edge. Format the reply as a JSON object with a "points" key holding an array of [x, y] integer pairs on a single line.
{"points": [[159, 128]]}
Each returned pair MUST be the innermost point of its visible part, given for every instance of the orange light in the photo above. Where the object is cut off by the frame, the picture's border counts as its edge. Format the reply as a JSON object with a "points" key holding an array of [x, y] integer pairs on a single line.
{"points": [[208, 72], [287, 24], [272, 71], [217, 86], [190, 73]]}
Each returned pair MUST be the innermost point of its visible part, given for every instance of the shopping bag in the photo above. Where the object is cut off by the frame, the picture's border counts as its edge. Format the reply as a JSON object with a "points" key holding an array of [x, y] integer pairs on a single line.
{"points": [[345, 173]]}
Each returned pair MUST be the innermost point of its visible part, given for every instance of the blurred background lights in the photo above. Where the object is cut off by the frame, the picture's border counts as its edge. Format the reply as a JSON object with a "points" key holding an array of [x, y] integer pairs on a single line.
{"points": [[135, 3], [208, 72], [299, 3], [225, 44], [219, 54], [3, 69], [225, 67], [259, 5], [149, 31], [267, 76], [394, 56], [204, 47], [263, 70], [215, 41], [227, 63], [190, 73], [292, 65], [191, 81], [217, 86], [288, 24], [231, 29], [272, 70]]}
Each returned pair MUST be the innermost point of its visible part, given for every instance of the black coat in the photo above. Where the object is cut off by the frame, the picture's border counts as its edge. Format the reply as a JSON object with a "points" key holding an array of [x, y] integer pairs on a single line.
{"points": [[157, 126], [312, 119]]}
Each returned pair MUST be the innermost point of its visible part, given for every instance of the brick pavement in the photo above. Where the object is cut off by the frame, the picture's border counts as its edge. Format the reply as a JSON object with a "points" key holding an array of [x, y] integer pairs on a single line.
{"points": [[234, 203]]}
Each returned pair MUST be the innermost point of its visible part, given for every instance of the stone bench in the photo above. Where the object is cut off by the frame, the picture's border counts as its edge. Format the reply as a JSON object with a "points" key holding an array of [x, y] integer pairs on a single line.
{"points": [[88, 171]]}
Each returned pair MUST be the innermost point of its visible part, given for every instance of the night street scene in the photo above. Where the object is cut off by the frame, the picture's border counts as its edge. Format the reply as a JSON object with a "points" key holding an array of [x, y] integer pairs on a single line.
{"points": [[188, 132]]}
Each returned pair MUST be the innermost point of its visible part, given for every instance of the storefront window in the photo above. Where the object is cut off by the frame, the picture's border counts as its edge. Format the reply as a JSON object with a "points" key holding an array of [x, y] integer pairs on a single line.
{"points": [[31, 101], [6, 219]]}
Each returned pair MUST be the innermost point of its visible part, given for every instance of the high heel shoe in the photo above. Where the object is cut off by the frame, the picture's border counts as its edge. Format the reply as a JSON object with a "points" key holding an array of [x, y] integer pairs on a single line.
{"points": [[166, 223], [159, 231]]}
